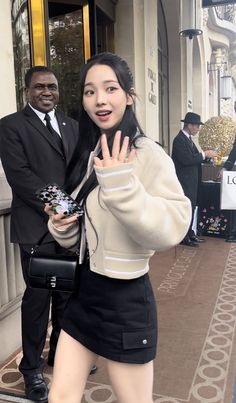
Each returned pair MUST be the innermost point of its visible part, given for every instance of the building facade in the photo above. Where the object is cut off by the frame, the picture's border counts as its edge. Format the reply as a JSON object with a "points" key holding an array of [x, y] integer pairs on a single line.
{"points": [[173, 75]]}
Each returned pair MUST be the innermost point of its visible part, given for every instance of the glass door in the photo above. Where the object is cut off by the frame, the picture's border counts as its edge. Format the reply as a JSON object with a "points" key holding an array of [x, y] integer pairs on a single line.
{"points": [[67, 50], [105, 32]]}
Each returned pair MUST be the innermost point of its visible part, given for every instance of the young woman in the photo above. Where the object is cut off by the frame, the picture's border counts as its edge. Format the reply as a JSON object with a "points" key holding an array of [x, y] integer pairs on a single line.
{"points": [[134, 205]]}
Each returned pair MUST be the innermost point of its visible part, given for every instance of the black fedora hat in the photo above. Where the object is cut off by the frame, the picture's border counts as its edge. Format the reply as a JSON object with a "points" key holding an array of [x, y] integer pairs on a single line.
{"points": [[193, 118]]}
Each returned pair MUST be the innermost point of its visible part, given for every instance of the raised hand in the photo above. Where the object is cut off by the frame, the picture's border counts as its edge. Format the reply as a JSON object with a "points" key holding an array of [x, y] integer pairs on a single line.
{"points": [[119, 153]]}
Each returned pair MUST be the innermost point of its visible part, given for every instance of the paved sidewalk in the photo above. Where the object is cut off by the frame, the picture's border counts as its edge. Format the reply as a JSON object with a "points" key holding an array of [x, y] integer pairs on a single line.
{"points": [[12, 399], [195, 290]]}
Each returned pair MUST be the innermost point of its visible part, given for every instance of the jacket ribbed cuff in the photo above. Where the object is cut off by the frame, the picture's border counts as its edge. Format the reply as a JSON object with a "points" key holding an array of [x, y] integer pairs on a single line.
{"points": [[115, 178]]}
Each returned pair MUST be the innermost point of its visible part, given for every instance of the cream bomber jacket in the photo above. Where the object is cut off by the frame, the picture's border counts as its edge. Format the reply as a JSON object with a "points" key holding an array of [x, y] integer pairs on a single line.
{"points": [[137, 209]]}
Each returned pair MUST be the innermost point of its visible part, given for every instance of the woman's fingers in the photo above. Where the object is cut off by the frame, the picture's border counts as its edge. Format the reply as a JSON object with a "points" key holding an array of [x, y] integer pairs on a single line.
{"points": [[116, 145], [98, 162], [124, 148], [119, 152], [48, 209], [105, 149], [60, 220]]}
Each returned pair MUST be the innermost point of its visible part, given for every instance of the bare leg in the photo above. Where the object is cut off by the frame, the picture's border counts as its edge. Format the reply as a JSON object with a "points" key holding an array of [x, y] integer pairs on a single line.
{"points": [[132, 383], [73, 363]]}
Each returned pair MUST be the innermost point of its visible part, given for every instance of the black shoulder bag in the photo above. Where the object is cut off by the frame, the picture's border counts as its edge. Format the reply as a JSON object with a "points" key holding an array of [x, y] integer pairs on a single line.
{"points": [[54, 272]]}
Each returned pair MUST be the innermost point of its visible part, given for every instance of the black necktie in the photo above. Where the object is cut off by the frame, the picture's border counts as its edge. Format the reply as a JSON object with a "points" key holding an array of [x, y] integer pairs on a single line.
{"points": [[53, 132], [191, 141]]}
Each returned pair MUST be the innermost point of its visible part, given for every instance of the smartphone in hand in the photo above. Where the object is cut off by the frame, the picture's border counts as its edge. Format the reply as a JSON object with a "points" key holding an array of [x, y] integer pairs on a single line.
{"points": [[61, 201]]}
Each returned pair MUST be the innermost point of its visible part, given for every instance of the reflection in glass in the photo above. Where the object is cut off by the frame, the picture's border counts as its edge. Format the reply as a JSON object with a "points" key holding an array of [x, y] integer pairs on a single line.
{"points": [[67, 57], [21, 46]]}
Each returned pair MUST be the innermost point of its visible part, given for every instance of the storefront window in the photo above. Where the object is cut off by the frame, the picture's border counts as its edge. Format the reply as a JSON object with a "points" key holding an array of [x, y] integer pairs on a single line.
{"points": [[21, 45]]}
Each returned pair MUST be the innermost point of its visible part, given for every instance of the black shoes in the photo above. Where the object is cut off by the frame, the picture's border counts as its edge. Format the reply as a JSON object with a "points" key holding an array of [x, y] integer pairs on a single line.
{"points": [[187, 242], [36, 388], [196, 239], [50, 362], [192, 241]]}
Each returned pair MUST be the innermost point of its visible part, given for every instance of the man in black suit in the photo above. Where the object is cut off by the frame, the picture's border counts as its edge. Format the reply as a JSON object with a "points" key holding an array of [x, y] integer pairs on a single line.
{"points": [[187, 160], [36, 146]]}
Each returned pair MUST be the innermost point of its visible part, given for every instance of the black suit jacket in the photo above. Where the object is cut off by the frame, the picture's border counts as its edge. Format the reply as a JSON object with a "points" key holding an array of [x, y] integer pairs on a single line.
{"points": [[31, 159], [187, 160], [231, 158]]}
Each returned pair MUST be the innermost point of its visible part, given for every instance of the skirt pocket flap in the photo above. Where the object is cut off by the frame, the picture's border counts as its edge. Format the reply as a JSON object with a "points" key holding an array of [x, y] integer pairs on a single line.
{"points": [[140, 338]]}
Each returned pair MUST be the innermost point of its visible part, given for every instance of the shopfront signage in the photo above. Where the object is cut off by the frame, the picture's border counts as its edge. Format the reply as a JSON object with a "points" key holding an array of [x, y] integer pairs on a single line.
{"points": [[152, 87], [212, 3]]}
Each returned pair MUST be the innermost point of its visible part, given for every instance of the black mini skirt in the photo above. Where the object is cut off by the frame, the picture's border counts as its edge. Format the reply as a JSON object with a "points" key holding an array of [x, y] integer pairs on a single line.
{"points": [[113, 318]]}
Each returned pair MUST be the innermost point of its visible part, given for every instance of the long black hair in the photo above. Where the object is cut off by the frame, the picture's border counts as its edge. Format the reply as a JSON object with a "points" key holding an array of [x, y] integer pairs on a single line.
{"points": [[89, 133]]}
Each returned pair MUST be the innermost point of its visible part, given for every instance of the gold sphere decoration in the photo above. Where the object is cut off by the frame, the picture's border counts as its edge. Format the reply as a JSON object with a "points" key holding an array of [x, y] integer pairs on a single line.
{"points": [[218, 133]]}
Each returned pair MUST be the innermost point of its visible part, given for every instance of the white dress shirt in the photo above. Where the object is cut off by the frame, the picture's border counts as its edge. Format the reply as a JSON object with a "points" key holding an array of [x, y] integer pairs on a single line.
{"points": [[52, 115]]}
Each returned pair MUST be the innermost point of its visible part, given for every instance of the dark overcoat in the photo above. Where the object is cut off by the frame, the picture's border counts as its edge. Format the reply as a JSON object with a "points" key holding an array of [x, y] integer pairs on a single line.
{"points": [[187, 160]]}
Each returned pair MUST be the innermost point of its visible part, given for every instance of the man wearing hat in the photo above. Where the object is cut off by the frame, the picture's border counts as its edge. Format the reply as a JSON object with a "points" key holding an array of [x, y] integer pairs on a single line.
{"points": [[187, 159]]}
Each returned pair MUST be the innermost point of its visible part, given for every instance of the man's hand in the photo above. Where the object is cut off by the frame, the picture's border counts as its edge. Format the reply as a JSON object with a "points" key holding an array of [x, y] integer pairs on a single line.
{"points": [[220, 173], [210, 153]]}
